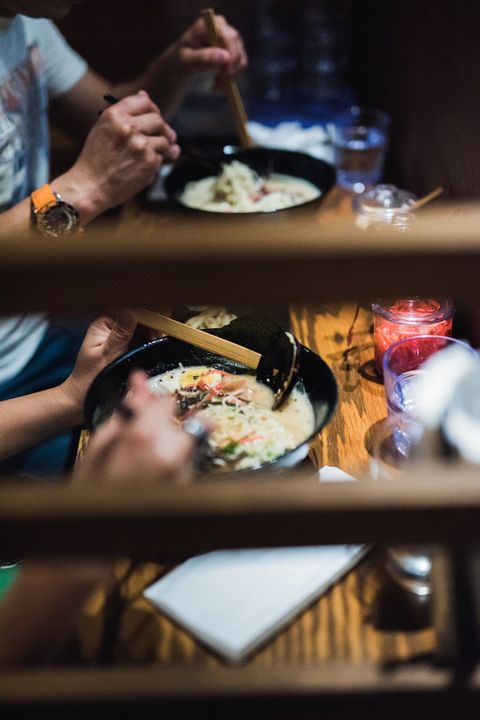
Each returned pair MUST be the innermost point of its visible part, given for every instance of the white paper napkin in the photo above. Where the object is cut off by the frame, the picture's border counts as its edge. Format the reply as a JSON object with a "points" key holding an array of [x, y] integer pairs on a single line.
{"points": [[233, 600], [291, 135], [434, 389]]}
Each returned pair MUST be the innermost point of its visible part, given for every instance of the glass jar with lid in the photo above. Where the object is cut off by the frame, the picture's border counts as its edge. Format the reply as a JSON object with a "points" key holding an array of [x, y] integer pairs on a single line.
{"points": [[399, 318], [384, 205]]}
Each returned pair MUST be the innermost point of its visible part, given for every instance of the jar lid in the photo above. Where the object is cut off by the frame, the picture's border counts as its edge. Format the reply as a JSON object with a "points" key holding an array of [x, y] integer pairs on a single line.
{"points": [[414, 310], [383, 200]]}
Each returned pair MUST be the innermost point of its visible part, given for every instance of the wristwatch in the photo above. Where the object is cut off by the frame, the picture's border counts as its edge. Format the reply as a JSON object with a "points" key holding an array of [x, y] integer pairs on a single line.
{"points": [[52, 216]]}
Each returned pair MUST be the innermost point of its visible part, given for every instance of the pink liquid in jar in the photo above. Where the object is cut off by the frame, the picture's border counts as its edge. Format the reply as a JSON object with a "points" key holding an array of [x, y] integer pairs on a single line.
{"points": [[404, 317]]}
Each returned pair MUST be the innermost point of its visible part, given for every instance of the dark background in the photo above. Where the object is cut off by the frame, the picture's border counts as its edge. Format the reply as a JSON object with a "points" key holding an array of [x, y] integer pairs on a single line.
{"points": [[119, 37]]}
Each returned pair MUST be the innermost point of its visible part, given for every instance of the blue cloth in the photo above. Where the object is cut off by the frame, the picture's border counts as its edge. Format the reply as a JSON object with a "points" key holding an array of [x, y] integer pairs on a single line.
{"points": [[50, 365]]}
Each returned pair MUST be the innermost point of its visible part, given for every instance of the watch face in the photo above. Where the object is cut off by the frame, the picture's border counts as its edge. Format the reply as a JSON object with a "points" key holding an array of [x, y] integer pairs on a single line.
{"points": [[58, 220]]}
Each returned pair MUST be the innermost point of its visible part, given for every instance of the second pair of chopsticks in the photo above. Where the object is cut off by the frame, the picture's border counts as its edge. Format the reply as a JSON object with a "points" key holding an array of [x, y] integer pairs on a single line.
{"points": [[229, 85]]}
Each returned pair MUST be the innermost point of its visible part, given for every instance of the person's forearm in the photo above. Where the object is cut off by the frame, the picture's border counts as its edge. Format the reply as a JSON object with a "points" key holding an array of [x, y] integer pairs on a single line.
{"points": [[38, 611], [16, 222], [26, 420]]}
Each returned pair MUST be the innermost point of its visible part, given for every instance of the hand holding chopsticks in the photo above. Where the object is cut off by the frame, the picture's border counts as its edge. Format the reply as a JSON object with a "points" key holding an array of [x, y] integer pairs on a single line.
{"points": [[229, 85]]}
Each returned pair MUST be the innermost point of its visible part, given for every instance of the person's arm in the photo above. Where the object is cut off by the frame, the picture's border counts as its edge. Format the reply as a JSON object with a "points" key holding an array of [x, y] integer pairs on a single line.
{"points": [[126, 145], [166, 79], [39, 610], [28, 419], [170, 75], [121, 156]]}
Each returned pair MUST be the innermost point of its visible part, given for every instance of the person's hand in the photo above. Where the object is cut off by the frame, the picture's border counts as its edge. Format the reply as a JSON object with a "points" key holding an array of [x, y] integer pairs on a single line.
{"points": [[143, 441], [121, 156], [106, 339], [195, 54]]}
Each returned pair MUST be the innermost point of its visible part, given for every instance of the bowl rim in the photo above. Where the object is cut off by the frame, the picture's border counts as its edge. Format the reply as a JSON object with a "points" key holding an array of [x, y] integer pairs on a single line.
{"points": [[331, 405], [240, 153]]}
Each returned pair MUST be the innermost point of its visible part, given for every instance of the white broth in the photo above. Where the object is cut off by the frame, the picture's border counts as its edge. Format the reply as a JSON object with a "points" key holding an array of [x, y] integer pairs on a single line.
{"points": [[246, 433], [239, 189]]}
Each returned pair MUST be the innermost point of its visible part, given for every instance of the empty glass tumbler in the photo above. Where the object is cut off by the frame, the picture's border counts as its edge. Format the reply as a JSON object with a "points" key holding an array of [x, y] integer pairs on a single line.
{"points": [[393, 445]]}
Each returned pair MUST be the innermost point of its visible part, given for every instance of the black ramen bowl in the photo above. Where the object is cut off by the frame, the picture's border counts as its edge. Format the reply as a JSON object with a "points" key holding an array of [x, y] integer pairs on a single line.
{"points": [[264, 161], [110, 386]]}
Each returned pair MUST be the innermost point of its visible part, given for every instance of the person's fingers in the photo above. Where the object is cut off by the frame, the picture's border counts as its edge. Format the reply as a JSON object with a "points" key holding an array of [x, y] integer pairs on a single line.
{"points": [[120, 334], [162, 147], [196, 35], [233, 43], [137, 104], [153, 124], [206, 58], [151, 444], [143, 403], [99, 449], [137, 117], [144, 92], [239, 58], [139, 388], [143, 439]]}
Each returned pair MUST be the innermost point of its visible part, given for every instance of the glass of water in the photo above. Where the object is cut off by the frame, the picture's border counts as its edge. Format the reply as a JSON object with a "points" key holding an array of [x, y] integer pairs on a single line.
{"points": [[393, 445], [404, 367], [360, 139]]}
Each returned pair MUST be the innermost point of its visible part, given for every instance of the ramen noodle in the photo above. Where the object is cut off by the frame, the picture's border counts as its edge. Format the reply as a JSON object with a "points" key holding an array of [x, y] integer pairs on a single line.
{"points": [[210, 316], [245, 432], [238, 188]]}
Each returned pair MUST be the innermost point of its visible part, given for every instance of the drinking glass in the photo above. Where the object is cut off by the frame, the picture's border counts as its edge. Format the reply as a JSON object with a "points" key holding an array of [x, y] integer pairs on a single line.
{"points": [[360, 140], [393, 445], [403, 367]]}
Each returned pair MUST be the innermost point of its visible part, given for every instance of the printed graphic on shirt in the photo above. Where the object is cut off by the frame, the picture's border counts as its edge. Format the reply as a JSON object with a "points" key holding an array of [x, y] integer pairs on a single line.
{"points": [[24, 140]]}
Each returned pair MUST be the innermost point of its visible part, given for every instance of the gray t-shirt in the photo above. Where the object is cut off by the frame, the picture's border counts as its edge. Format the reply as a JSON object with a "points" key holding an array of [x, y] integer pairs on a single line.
{"points": [[36, 64]]}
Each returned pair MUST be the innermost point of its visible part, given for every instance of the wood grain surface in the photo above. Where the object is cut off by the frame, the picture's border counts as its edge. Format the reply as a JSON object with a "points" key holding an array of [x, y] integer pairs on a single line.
{"points": [[364, 618]]}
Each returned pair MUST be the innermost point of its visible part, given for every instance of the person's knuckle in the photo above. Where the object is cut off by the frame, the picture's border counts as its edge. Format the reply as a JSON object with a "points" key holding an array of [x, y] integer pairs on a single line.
{"points": [[109, 114], [136, 143], [161, 127], [122, 129], [149, 157]]}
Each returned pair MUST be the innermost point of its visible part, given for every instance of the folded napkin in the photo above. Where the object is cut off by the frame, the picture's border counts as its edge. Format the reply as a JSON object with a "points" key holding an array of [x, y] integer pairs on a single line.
{"points": [[434, 389], [292, 135], [233, 600]]}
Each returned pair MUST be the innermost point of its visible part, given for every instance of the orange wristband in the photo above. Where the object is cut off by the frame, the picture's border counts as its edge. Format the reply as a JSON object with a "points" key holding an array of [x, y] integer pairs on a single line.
{"points": [[43, 196]]}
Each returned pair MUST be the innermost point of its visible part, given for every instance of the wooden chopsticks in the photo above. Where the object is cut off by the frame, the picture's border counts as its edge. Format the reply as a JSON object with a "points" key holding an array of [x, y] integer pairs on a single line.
{"points": [[427, 198], [199, 338], [230, 86]]}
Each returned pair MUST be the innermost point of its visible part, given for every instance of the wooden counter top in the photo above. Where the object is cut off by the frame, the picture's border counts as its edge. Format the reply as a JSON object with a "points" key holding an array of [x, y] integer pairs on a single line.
{"points": [[364, 618]]}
